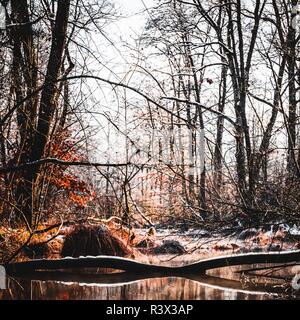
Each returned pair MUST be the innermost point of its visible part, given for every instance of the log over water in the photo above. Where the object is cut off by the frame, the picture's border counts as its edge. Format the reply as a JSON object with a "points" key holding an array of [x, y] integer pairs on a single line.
{"points": [[129, 265]]}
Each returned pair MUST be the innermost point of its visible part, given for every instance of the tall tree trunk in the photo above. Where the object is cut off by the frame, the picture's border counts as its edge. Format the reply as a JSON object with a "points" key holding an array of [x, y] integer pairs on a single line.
{"points": [[292, 116], [199, 115], [218, 156], [265, 142], [27, 193], [24, 84]]}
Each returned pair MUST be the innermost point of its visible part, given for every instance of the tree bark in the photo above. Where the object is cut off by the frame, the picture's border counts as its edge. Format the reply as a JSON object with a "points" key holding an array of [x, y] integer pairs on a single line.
{"points": [[46, 110], [291, 44]]}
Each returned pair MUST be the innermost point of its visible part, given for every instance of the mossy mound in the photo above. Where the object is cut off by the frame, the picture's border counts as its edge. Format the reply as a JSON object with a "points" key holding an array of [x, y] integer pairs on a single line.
{"points": [[90, 240]]}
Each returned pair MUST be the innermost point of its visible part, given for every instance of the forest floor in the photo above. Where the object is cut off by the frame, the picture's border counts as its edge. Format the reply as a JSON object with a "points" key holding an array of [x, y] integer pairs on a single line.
{"points": [[154, 241]]}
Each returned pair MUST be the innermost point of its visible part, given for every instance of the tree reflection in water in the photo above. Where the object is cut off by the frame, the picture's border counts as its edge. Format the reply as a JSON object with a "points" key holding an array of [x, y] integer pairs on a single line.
{"points": [[220, 284]]}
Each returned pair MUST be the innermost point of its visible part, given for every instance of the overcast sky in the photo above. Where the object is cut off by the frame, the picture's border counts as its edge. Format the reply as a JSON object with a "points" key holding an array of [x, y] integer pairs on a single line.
{"points": [[118, 62], [134, 11]]}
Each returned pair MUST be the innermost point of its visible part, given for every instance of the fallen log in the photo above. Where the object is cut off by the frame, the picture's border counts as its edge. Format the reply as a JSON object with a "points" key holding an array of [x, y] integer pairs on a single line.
{"points": [[129, 265]]}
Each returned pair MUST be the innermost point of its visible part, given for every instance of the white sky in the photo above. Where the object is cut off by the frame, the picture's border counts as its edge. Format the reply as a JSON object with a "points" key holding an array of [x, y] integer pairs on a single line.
{"points": [[134, 11], [117, 58]]}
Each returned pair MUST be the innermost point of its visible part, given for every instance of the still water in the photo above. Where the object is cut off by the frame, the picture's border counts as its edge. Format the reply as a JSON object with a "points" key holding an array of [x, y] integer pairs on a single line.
{"points": [[220, 284]]}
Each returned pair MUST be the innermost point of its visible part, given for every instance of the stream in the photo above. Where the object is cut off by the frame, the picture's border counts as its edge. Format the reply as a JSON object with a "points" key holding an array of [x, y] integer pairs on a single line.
{"points": [[229, 283], [220, 284]]}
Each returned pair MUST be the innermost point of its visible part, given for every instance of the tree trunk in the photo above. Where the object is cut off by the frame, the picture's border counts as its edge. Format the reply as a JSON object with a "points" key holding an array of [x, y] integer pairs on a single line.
{"points": [[24, 84], [218, 156], [292, 116], [26, 193]]}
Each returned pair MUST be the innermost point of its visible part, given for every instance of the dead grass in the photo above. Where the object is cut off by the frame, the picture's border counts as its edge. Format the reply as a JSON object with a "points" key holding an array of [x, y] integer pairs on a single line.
{"points": [[12, 240]]}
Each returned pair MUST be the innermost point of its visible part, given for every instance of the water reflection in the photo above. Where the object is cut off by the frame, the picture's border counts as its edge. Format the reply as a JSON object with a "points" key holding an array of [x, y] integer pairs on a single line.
{"points": [[222, 284], [170, 288]]}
